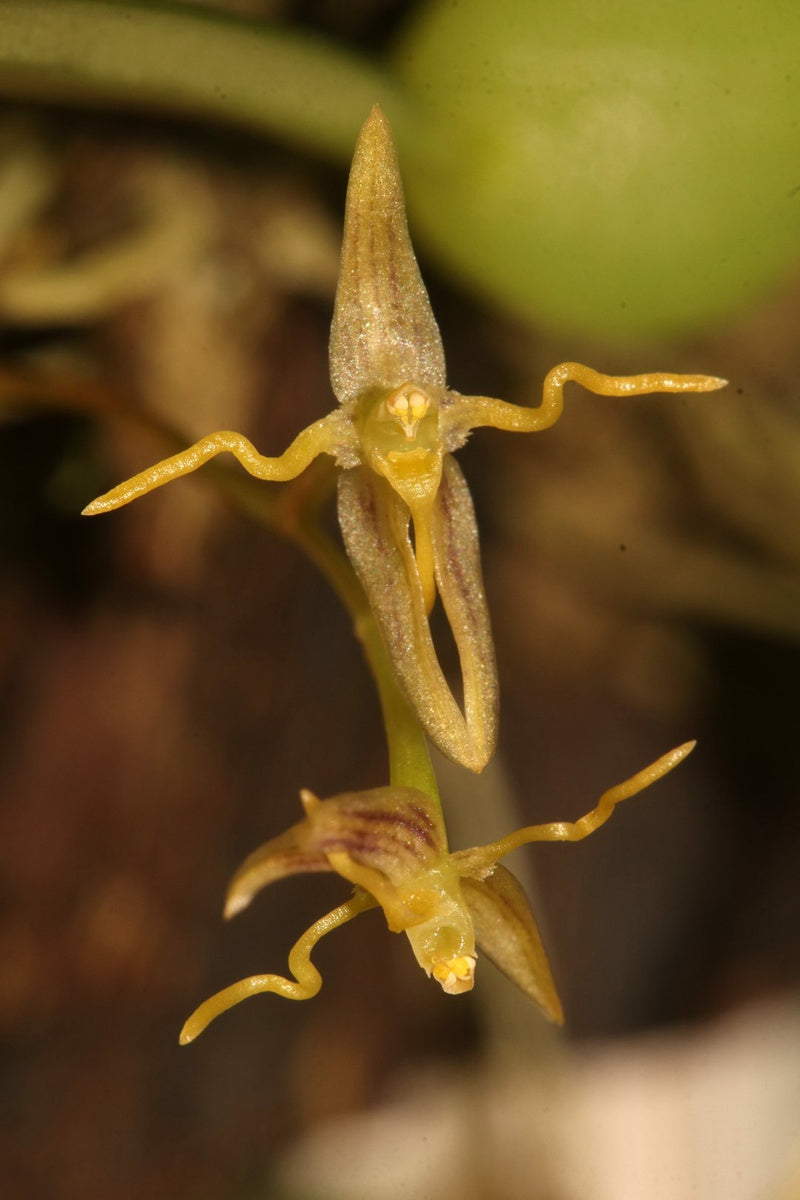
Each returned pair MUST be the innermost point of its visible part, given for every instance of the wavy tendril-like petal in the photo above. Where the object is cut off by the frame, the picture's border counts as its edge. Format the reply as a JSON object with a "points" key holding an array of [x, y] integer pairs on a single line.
{"points": [[326, 436], [471, 412], [479, 859], [307, 979]]}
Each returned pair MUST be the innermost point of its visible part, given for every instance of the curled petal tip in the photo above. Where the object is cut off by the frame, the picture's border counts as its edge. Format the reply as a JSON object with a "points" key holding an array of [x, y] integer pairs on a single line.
{"points": [[235, 904], [377, 116], [115, 498], [308, 800]]}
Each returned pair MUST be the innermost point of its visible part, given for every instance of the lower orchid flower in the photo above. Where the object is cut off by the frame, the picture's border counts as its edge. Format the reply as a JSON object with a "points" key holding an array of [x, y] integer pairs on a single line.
{"points": [[390, 843]]}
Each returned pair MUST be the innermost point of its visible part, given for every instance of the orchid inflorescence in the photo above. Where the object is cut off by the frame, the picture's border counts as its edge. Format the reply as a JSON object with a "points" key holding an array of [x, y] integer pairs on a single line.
{"points": [[410, 534]]}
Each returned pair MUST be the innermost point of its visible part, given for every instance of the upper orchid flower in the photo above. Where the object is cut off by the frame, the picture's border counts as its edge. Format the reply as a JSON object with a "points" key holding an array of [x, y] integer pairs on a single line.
{"points": [[393, 434], [391, 844]]}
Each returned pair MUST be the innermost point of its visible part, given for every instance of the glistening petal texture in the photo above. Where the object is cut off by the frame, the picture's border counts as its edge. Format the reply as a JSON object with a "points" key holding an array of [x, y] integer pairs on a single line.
{"points": [[459, 579], [395, 830], [506, 932], [375, 528], [397, 833], [291, 853], [384, 331]]}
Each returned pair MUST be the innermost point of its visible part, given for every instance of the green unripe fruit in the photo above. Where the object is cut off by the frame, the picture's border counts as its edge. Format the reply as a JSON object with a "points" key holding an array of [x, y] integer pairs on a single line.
{"points": [[620, 168]]}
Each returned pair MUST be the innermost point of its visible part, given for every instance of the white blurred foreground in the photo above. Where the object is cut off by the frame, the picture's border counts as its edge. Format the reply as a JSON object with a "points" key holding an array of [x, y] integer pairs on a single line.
{"points": [[707, 1113]]}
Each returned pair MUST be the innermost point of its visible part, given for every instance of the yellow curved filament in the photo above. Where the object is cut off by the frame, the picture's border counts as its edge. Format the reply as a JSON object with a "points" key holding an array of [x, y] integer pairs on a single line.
{"points": [[473, 411], [307, 979], [323, 437], [574, 831]]}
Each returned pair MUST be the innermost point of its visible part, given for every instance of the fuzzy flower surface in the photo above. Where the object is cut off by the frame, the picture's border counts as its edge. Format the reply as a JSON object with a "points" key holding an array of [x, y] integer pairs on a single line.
{"points": [[404, 508], [390, 844]]}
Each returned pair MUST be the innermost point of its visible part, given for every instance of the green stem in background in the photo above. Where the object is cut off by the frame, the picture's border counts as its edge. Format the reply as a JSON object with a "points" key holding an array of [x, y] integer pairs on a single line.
{"points": [[182, 60]]}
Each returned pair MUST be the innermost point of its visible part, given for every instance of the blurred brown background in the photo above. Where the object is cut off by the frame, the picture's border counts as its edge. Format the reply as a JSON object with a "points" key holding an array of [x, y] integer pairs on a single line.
{"points": [[172, 674]]}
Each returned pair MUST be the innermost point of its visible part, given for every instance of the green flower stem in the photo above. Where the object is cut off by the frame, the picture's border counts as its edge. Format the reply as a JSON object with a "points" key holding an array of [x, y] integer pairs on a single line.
{"points": [[409, 759], [292, 510], [183, 60]]}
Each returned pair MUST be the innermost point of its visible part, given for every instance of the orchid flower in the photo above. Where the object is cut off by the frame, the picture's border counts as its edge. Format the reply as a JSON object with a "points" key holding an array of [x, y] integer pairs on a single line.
{"points": [[392, 435], [390, 843]]}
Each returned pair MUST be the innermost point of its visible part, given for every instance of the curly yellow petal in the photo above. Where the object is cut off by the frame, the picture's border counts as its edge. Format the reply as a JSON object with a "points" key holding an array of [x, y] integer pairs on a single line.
{"points": [[307, 979], [477, 861], [471, 412], [327, 436]]}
